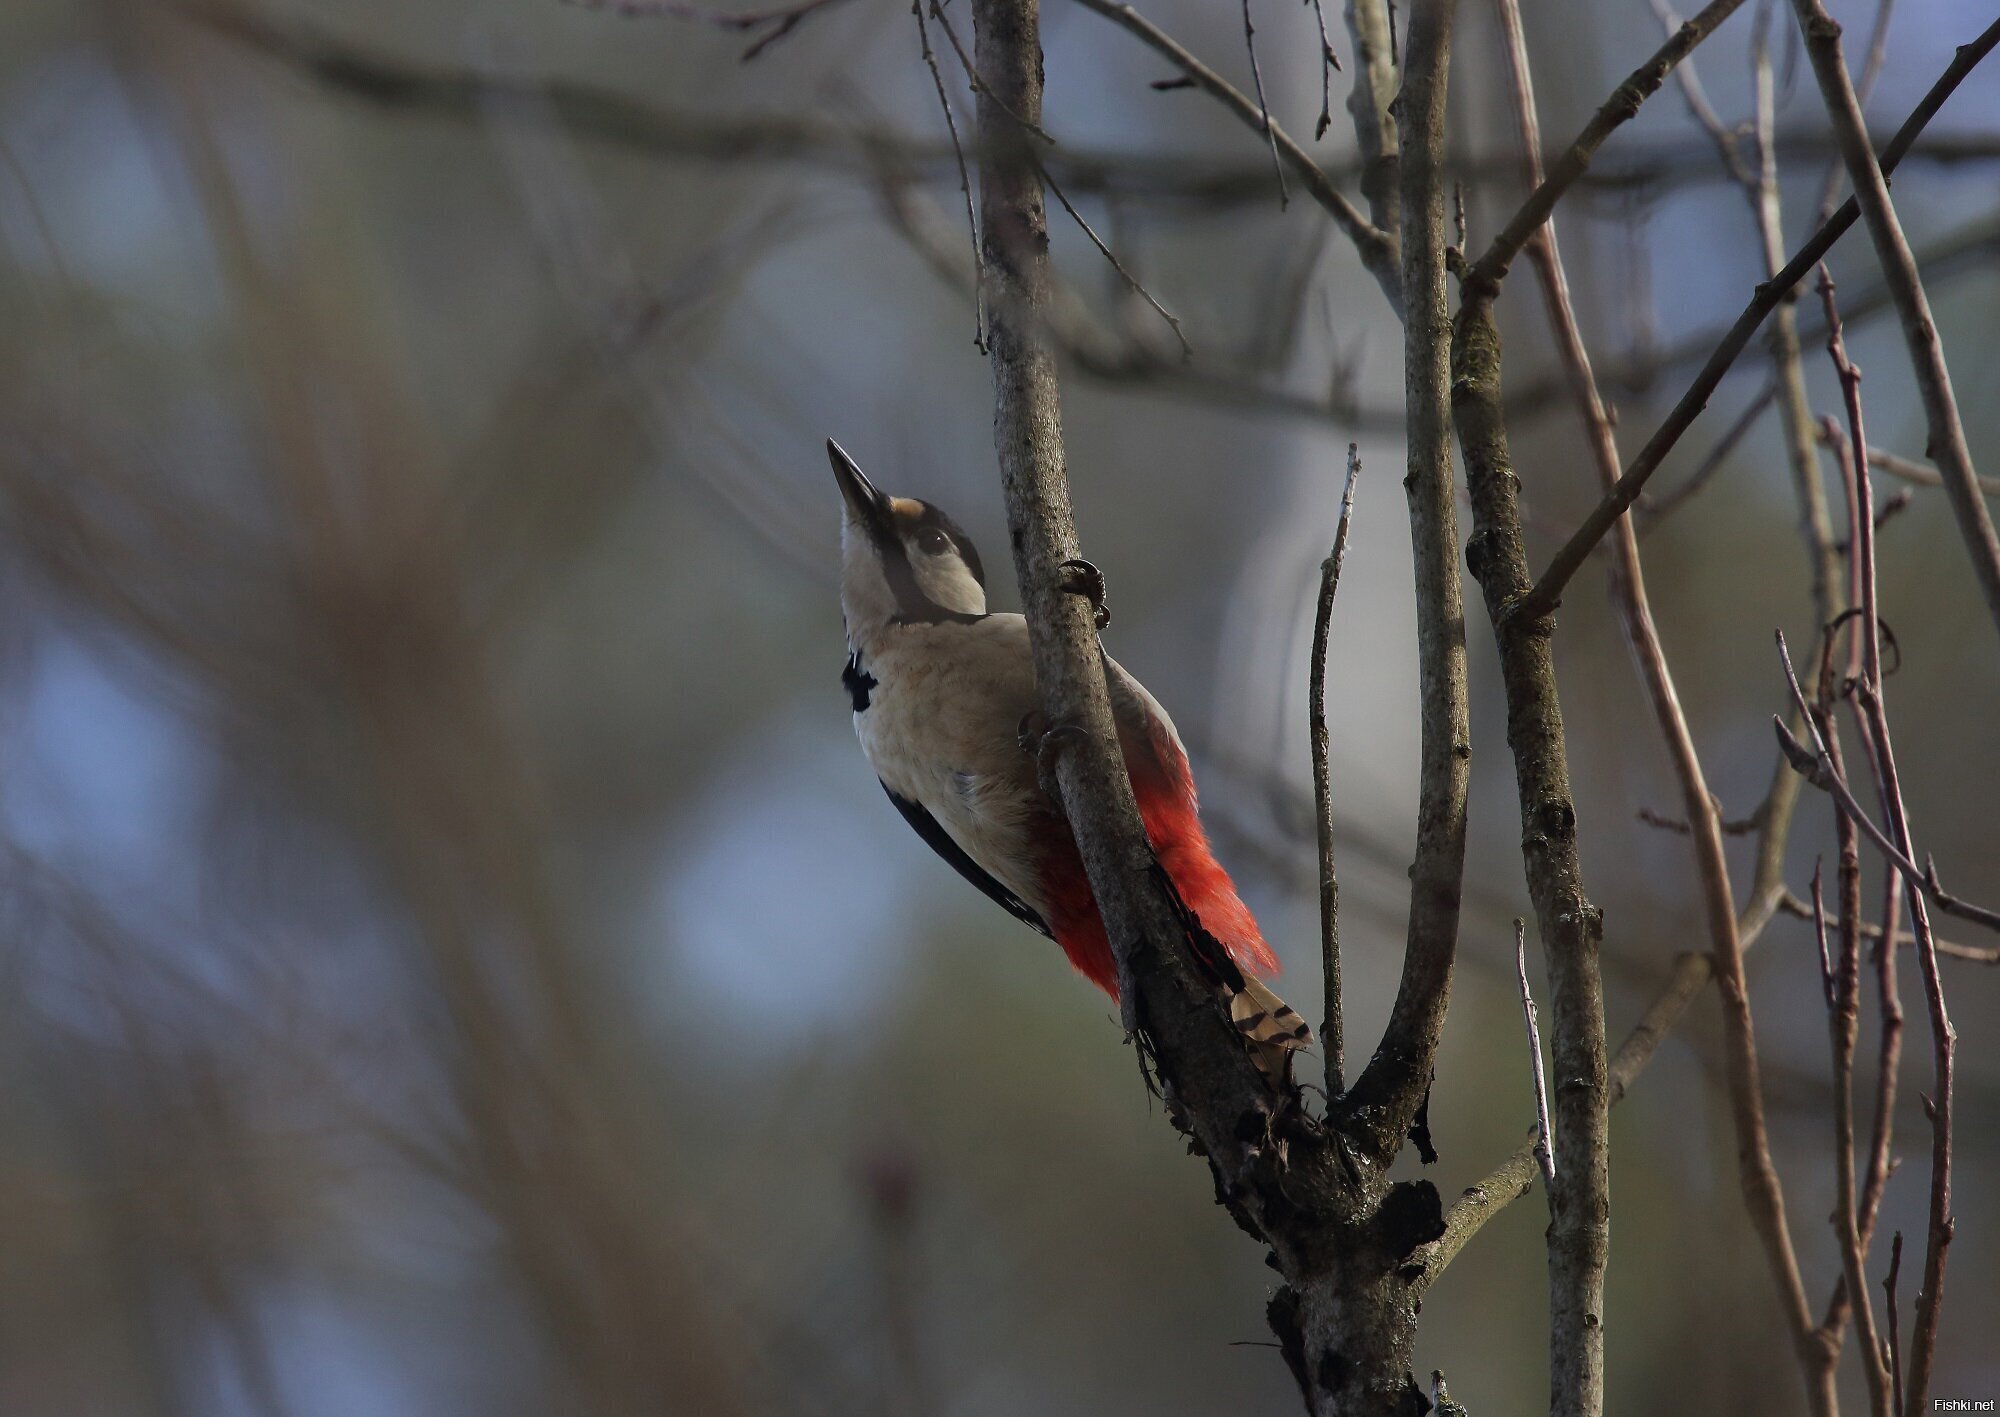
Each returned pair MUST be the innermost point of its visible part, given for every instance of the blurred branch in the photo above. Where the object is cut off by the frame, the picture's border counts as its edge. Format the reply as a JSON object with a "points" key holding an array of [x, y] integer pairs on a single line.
{"points": [[1968, 251], [1548, 590], [1796, 907], [1619, 109], [1648, 512], [1368, 103], [775, 23], [599, 114], [1904, 469]]}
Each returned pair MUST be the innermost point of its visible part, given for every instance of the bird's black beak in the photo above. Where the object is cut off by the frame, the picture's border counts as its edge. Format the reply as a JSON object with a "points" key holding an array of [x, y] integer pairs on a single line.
{"points": [[864, 500]]}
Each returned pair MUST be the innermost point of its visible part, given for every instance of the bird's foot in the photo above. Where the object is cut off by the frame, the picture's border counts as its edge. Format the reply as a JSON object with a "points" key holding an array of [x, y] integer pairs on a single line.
{"points": [[1079, 577], [1043, 740]]}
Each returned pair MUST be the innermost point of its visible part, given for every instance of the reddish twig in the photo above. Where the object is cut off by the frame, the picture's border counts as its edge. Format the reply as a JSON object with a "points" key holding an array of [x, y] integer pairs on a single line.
{"points": [[1895, 1342], [1792, 905], [1547, 591], [1641, 84], [1946, 444], [1762, 1191], [1814, 764], [1868, 689], [1841, 978]]}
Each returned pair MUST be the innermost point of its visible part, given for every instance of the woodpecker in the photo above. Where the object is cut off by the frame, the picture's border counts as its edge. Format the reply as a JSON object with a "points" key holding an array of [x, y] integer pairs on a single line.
{"points": [[945, 704]]}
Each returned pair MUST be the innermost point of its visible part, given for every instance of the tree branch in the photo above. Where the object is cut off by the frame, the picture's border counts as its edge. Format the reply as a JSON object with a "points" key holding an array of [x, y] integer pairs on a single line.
{"points": [[1387, 1095], [1547, 592], [1947, 446], [1641, 84], [1333, 1032], [1378, 253], [1374, 125], [1340, 1231], [1762, 1192]]}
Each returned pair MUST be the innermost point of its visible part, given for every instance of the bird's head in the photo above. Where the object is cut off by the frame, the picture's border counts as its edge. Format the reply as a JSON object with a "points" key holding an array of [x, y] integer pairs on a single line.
{"points": [[901, 560]]}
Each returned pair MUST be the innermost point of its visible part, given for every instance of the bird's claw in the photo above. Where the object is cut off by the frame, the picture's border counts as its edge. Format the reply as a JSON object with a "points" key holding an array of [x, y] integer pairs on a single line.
{"points": [[1080, 577], [1041, 739], [1028, 733]]}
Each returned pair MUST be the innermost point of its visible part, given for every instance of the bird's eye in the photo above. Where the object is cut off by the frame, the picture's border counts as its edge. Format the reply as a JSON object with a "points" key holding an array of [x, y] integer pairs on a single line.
{"points": [[933, 542]]}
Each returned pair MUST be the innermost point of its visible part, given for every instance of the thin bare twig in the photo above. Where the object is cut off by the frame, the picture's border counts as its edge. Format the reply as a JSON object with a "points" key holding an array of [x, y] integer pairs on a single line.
{"points": [[964, 179], [1909, 469], [1187, 350], [978, 84], [1794, 905], [1767, 210], [1871, 70], [1650, 512], [1688, 78], [1895, 1329], [1545, 1150], [776, 22], [1729, 826], [1842, 980], [1824, 772], [1548, 590], [1328, 63], [1616, 111], [1946, 441], [1824, 47], [1263, 107], [1377, 250], [1816, 766], [1332, 1028]]}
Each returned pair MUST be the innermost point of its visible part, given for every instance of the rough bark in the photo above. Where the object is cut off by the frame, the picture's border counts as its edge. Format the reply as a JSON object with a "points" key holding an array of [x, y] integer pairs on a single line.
{"points": [[1318, 1193], [1571, 928], [1385, 1096]]}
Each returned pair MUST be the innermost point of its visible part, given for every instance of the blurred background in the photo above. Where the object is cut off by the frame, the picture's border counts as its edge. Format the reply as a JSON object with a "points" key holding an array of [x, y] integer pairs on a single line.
{"points": [[456, 957]]}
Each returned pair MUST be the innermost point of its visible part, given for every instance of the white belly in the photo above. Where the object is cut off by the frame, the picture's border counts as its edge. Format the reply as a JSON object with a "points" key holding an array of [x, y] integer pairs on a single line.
{"points": [[941, 729]]}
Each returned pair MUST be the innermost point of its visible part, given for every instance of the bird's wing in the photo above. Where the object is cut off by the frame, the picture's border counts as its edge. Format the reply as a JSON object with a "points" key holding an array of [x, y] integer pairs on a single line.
{"points": [[1147, 735], [940, 841]]}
